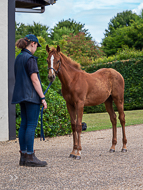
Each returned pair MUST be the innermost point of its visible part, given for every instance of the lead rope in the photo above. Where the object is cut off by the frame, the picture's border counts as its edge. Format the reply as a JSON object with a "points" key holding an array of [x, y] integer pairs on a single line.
{"points": [[42, 132]]}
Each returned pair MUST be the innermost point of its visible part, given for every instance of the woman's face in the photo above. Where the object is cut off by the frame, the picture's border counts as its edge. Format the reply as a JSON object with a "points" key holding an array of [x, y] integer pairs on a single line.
{"points": [[33, 47]]}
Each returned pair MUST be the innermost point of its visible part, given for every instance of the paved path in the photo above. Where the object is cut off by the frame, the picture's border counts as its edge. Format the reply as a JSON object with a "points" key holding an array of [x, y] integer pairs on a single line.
{"points": [[97, 170]]}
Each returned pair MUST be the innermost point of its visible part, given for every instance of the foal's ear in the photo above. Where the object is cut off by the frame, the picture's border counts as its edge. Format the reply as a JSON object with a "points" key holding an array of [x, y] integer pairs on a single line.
{"points": [[47, 48], [58, 48]]}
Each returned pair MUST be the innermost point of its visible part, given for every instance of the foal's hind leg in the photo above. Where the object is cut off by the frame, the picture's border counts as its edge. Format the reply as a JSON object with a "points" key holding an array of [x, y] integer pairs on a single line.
{"points": [[111, 112], [120, 106]]}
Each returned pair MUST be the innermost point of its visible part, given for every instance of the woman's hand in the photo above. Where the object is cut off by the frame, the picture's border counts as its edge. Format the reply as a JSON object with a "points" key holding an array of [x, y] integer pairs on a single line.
{"points": [[44, 104]]}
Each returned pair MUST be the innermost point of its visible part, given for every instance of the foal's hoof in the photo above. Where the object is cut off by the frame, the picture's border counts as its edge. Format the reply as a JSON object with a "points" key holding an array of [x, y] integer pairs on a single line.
{"points": [[77, 157], [124, 150], [111, 150], [71, 156]]}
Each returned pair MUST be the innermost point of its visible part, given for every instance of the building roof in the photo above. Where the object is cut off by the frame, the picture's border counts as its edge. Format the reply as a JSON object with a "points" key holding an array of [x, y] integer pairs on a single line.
{"points": [[32, 3]]}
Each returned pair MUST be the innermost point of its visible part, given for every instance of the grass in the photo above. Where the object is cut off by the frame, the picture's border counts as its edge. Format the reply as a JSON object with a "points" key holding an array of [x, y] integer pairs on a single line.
{"points": [[99, 121]]}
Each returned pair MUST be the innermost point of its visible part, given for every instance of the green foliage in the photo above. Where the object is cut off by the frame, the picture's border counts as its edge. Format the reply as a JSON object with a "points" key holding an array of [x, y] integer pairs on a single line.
{"points": [[73, 38], [79, 48], [21, 30], [58, 33], [125, 29], [131, 36], [122, 19], [132, 72], [65, 27], [56, 119], [18, 118], [122, 54], [95, 109]]}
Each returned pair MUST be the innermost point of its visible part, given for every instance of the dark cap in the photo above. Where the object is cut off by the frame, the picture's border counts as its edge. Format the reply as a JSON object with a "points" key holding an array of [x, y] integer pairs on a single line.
{"points": [[33, 38]]}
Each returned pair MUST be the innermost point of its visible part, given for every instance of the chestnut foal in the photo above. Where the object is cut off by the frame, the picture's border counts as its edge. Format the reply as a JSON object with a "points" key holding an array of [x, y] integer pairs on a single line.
{"points": [[81, 89]]}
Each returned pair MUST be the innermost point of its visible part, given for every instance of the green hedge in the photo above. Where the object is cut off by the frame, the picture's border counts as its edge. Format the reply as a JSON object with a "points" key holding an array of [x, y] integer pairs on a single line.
{"points": [[132, 71], [56, 119]]}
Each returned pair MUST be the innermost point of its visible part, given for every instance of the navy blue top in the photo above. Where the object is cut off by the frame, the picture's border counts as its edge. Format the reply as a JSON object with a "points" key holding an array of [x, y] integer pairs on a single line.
{"points": [[32, 66], [23, 68]]}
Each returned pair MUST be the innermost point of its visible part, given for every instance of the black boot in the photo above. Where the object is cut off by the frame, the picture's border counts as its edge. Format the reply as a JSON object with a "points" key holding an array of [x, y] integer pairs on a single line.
{"points": [[33, 161], [23, 157]]}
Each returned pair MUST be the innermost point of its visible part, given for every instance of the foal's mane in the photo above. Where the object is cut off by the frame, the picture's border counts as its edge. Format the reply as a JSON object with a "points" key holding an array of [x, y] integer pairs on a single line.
{"points": [[68, 60], [71, 62]]}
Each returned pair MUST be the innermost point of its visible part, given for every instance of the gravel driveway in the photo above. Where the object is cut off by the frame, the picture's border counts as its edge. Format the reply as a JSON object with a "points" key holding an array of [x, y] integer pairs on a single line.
{"points": [[97, 169]]}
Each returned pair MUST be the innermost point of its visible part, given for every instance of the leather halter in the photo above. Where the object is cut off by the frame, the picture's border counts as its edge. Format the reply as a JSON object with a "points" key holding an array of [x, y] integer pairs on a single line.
{"points": [[56, 72]]}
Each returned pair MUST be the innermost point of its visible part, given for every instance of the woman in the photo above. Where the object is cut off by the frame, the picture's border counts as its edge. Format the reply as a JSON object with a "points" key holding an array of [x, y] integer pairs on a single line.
{"points": [[28, 93]]}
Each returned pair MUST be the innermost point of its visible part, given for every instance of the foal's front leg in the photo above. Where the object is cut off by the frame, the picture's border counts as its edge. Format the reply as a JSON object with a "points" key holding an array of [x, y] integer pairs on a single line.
{"points": [[79, 112], [72, 113], [79, 148], [73, 153]]}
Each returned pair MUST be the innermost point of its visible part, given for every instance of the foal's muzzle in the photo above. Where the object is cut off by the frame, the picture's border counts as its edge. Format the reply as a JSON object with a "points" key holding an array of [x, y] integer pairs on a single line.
{"points": [[51, 77]]}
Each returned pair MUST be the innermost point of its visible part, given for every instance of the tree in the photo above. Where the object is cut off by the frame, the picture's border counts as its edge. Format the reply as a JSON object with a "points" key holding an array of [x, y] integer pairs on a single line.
{"points": [[79, 48], [131, 36], [65, 27], [125, 18], [58, 33], [20, 30], [124, 30], [37, 29]]}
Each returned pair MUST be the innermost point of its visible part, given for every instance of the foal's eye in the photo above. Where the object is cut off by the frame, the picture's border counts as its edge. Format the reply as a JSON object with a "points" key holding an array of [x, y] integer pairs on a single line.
{"points": [[58, 61]]}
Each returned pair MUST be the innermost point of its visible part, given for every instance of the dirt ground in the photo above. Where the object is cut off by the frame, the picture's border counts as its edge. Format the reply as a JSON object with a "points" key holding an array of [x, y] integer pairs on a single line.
{"points": [[97, 170]]}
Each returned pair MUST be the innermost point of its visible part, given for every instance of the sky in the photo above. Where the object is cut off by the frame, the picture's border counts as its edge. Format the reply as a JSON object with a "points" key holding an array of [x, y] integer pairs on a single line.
{"points": [[95, 14]]}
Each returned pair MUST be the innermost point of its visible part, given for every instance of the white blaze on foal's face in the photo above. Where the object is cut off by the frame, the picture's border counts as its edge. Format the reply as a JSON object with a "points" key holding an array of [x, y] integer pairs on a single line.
{"points": [[52, 60]]}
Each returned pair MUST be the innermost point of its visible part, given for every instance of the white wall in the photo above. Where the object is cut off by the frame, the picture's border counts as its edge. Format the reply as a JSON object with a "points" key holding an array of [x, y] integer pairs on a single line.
{"points": [[4, 129]]}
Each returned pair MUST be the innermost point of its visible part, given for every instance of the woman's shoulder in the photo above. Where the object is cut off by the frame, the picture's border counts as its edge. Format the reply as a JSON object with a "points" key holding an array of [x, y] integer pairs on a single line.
{"points": [[32, 59]]}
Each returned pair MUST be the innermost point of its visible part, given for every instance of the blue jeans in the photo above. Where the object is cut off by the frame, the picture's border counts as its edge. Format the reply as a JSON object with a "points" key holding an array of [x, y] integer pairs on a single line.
{"points": [[29, 120]]}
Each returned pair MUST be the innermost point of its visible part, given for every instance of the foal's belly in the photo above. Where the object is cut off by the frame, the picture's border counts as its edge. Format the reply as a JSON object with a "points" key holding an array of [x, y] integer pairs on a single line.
{"points": [[94, 102], [96, 98]]}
